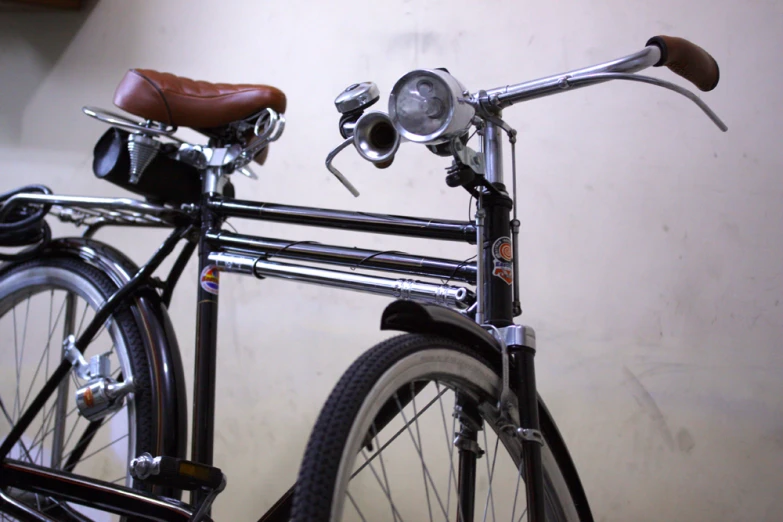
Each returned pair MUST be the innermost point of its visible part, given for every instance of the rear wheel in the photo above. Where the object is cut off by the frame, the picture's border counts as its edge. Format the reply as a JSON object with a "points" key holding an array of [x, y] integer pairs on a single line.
{"points": [[42, 302], [397, 435]]}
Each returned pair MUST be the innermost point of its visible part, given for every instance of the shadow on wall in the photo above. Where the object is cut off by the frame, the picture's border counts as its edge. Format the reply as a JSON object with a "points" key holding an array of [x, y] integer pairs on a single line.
{"points": [[31, 43]]}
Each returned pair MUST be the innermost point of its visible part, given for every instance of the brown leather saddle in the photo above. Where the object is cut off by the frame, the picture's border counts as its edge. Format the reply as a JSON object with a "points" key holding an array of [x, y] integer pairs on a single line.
{"points": [[204, 106]]}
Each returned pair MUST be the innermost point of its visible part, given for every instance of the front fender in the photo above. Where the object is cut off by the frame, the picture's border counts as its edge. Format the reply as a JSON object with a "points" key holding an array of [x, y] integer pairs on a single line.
{"points": [[412, 317], [160, 341]]}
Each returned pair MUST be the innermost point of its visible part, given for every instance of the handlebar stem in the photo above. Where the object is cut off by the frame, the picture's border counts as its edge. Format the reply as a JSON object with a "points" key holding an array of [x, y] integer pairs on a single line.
{"points": [[492, 147]]}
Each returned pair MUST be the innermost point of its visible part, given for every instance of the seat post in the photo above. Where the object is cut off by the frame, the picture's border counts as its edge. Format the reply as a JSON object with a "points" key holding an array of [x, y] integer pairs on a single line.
{"points": [[213, 181]]}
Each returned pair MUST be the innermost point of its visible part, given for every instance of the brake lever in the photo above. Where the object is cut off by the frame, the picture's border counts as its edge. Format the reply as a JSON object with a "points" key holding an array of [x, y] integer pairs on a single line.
{"points": [[337, 173], [569, 81]]}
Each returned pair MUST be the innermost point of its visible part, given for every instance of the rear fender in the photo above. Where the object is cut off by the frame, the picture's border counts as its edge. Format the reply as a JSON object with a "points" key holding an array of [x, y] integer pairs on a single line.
{"points": [[160, 341]]}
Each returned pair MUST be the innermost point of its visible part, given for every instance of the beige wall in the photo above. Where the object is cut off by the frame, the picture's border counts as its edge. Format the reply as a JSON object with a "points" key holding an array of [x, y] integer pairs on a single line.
{"points": [[651, 265]]}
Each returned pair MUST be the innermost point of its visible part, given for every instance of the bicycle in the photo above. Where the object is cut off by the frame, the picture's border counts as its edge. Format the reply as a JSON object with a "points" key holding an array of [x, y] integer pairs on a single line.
{"points": [[460, 357]]}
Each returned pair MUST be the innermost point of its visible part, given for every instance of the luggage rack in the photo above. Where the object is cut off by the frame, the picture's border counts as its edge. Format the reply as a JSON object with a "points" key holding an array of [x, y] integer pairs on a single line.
{"points": [[97, 212]]}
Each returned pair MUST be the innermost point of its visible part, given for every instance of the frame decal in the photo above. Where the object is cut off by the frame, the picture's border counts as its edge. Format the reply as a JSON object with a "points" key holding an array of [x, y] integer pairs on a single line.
{"points": [[502, 257], [210, 279]]}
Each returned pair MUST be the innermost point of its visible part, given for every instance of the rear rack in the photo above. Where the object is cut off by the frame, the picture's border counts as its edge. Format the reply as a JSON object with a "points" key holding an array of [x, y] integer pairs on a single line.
{"points": [[96, 212]]}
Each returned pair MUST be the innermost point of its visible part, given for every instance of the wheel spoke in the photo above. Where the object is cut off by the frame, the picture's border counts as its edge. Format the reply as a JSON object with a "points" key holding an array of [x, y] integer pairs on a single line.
{"points": [[100, 449], [418, 435], [359, 511], [70, 433], [47, 351], [38, 368], [397, 434], [55, 427], [61, 402], [421, 457], [516, 492], [16, 368], [385, 477], [21, 353], [395, 513], [8, 418], [41, 443], [42, 431], [490, 502], [86, 438], [449, 448]]}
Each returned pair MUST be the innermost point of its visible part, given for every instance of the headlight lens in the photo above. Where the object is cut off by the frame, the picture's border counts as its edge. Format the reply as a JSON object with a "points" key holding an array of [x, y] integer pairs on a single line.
{"points": [[424, 106]]}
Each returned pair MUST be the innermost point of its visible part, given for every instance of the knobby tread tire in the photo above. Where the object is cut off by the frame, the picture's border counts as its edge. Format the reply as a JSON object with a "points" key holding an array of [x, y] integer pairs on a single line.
{"points": [[318, 473]]}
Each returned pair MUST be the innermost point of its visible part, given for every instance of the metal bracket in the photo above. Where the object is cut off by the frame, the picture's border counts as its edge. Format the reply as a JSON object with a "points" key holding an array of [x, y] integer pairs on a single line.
{"points": [[530, 435], [518, 335], [464, 443], [202, 157], [509, 405], [193, 155], [224, 156], [487, 109], [72, 354], [515, 335], [468, 156]]}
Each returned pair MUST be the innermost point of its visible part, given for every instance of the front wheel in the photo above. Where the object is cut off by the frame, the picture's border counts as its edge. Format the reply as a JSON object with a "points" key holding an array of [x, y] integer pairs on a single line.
{"points": [[412, 432]]}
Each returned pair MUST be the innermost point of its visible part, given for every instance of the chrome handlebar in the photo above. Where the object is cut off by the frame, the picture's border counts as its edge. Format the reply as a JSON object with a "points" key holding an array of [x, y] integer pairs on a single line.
{"points": [[510, 94], [618, 69]]}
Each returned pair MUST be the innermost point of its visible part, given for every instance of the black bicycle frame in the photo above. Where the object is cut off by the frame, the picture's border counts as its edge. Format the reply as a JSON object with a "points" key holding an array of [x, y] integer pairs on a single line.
{"points": [[492, 273]]}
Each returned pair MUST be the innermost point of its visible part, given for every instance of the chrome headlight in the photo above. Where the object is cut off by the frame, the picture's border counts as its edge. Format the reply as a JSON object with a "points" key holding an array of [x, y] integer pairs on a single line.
{"points": [[426, 107]]}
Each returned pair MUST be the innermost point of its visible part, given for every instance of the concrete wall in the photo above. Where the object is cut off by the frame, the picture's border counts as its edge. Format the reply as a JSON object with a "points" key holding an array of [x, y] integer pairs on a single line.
{"points": [[652, 266]]}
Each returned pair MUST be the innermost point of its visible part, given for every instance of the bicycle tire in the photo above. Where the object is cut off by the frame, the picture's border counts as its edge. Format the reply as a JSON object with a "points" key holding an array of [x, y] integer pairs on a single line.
{"points": [[71, 275], [324, 465]]}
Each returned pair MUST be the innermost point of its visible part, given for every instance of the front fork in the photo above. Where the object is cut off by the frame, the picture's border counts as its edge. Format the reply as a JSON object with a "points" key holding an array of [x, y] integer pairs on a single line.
{"points": [[523, 373], [499, 305]]}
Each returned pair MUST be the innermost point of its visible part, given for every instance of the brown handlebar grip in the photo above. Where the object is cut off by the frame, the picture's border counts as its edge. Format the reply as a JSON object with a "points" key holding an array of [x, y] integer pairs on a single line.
{"points": [[688, 60]]}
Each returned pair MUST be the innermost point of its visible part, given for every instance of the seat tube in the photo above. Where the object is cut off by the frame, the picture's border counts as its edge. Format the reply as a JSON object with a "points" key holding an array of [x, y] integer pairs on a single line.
{"points": [[206, 333]]}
